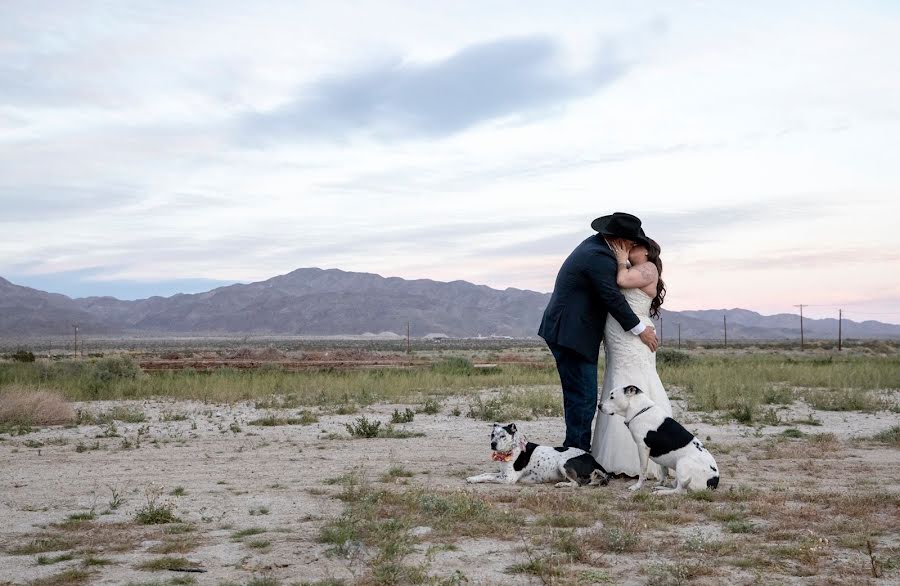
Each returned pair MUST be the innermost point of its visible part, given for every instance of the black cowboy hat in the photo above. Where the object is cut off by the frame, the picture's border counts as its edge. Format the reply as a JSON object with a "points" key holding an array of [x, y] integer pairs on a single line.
{"points": [[621, 225]]}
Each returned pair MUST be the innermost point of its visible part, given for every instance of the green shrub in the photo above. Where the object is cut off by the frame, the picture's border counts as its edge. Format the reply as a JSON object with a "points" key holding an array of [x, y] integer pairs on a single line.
{"points": [[405, 416], [114, 368], [431, 407], [154, 512], [742, 414], [889, 436], [490, 409], [363, 428], [22, 356]]}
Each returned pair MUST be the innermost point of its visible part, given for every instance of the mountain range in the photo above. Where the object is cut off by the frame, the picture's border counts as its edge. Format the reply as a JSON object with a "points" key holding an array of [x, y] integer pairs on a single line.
{"points": [[317, 302]]}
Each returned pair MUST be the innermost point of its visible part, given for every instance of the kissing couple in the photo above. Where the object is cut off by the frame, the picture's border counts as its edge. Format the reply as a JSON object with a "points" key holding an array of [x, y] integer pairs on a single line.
{"points": [[606, 291]]}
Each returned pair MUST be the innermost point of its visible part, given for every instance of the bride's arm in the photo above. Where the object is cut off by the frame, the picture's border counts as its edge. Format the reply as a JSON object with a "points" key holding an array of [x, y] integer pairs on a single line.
{"points": [[634, 277]]}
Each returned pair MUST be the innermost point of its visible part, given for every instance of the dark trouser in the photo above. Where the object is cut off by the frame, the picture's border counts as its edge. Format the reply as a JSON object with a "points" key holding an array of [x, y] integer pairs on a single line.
{"points": [[578, 377]]}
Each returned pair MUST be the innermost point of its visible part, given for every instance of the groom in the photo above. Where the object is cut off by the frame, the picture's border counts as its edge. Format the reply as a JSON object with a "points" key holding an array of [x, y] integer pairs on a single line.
{"points": [[584, 294]]}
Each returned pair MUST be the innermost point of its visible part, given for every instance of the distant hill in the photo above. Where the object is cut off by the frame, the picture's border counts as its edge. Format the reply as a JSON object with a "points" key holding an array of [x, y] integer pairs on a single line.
{"points": [[314, 301], [26, 311]]}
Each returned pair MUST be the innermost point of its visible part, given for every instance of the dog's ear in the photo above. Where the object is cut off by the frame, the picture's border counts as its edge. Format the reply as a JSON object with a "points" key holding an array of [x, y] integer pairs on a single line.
{"points": [[632, 390], [510, 429]]}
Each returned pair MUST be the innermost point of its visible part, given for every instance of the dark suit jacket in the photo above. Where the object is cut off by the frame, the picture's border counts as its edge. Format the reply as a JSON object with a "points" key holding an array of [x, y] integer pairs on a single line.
{"points": [[585, 292]]}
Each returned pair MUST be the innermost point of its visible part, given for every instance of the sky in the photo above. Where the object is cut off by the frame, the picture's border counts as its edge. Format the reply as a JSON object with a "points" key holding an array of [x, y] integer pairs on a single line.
{"points": [[149, 148]]}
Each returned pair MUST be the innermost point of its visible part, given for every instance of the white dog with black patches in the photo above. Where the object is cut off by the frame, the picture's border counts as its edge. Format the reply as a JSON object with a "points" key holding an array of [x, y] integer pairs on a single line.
{"points": [[523, 461], [663, 440]]}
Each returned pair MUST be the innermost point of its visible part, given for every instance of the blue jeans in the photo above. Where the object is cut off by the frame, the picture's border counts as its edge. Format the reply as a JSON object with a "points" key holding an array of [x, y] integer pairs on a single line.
{"points": [[578, 377]]}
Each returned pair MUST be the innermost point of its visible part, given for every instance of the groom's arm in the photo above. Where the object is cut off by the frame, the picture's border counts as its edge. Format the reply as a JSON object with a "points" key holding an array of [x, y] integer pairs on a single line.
{"points": [[602, 273]]}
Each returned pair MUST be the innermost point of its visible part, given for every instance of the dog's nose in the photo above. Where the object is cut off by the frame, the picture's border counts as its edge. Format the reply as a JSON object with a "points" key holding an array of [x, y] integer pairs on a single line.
{"points": [[493, 445]]}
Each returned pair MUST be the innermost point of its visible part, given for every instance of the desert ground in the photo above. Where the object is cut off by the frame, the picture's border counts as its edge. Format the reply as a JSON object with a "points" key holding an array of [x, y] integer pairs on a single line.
{"points": [[297, 486]]}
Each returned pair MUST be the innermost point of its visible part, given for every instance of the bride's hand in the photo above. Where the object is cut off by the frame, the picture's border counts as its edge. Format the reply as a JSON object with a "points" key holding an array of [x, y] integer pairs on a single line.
{"points": [[620, 250]]}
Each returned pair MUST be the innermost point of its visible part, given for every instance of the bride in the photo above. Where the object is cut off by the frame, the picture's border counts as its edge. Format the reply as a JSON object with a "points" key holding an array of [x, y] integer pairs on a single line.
{"points": [[628, 360]]}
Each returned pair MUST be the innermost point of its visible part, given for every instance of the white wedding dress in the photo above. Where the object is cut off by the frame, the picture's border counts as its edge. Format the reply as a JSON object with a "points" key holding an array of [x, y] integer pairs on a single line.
{"points": [[628, 362]]}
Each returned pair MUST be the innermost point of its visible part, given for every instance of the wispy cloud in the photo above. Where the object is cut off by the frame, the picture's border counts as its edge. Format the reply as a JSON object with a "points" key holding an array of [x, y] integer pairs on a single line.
{"points": [[399, 98], [34, 204]]}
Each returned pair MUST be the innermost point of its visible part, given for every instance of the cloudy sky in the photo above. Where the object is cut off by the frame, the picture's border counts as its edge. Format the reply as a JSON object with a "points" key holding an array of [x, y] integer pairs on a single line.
{"points": [[148, 148]]}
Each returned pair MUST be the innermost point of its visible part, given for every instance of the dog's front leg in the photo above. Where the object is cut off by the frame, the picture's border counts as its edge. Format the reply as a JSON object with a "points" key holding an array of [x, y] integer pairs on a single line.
{"points": [[644, 454], [492, 477]]}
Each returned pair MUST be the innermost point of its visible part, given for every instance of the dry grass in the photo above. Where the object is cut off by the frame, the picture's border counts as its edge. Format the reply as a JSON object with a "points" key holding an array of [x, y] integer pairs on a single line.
{"points": [[184, 544], [816, 502], [68, 577], [88, 537], [26, 407]]}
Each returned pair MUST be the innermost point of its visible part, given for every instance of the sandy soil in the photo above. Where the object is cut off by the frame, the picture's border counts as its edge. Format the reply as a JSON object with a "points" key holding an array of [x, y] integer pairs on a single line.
{"points": [[285, 469]]}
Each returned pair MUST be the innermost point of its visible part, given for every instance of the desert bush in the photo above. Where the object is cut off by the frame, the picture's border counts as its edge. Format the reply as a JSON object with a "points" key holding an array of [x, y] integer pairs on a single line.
{"points": [[19, 406], [742, 413], [431, 407], [889, 436], [22, 356], [489, 409], [155, 512], [113, 368], [363, 428], [403, 416]]}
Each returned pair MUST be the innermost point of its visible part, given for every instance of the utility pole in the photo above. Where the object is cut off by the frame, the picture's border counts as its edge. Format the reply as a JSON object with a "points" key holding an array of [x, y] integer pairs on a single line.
{"points": [[407, 337], [75, 350], [679, 335], [840, 320], [801, 306], [725, 327], [660, 329]]}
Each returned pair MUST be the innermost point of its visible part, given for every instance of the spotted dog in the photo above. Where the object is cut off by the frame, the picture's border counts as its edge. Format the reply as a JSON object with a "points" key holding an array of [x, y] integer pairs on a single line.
{"points": [[523, 461], [663, 440]]}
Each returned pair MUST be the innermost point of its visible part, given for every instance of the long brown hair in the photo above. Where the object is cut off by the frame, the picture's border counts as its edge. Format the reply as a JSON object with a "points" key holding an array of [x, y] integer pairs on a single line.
{"points": [[653, 251]]}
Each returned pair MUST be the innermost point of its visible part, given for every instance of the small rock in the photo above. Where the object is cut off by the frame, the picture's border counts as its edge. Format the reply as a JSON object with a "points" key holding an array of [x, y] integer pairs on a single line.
{"points": [[420, 531]]}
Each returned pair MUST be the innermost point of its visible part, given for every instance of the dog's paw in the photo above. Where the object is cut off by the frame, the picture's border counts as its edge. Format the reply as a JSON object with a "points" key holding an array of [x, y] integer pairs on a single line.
{"points": [[566, 484], [471, 480], [636, 486]]}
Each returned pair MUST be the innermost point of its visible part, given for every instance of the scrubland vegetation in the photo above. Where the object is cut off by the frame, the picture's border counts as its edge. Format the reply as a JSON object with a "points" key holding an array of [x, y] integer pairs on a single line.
{"points": [[355, 475]]}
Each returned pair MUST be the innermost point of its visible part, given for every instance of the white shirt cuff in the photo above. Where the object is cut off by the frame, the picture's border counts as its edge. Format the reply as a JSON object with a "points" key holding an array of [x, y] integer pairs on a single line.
{"points": [[638, 329]]}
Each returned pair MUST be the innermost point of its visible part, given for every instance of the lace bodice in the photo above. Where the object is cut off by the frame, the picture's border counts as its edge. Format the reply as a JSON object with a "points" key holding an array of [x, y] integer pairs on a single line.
{"points": [[639, 302], [627, 347]]}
